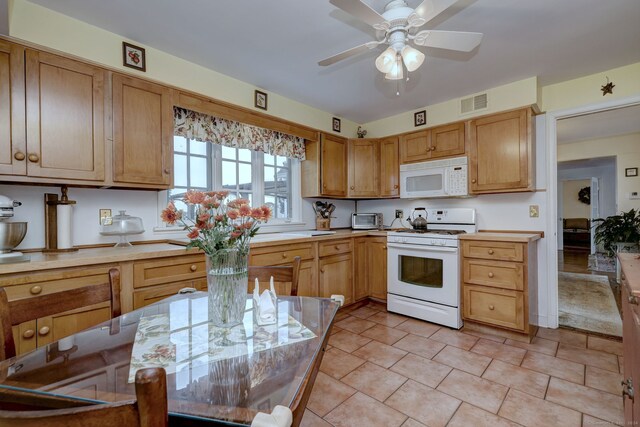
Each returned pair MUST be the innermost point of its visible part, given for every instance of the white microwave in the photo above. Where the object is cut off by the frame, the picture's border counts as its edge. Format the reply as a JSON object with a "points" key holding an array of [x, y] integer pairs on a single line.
{"points": [[434, 178]]}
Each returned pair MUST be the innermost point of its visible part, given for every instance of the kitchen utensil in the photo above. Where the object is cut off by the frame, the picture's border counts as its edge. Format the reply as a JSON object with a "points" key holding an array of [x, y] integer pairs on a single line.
{"points": [[123, 225], [11, 235], [418, 223]]}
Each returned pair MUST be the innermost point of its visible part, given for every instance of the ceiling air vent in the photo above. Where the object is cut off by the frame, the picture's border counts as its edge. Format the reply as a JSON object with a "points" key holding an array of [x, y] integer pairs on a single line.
{"points": [[473, 103]]}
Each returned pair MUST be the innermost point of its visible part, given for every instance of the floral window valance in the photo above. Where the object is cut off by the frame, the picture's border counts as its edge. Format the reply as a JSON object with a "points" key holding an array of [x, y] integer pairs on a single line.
{"points": [[202, 127]]}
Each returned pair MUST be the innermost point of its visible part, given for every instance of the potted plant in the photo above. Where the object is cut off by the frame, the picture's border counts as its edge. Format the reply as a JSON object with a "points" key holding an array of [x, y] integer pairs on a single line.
{"points": [[619, 233]]}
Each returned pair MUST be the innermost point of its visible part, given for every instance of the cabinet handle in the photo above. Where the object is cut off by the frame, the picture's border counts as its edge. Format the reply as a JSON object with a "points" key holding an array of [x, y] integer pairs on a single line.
{"points": [[322, 270], [337, 247], [633, 299], [473, 181], [433, 148], [491, 307], [395, 187], [193, 267], [19, 155], [284, 255], [35, 290], [384, 247], [167, 171], [490, 274], [33, 158], [627, 388], [490, 251], [352, 187], [29, 333], [44, 330]]}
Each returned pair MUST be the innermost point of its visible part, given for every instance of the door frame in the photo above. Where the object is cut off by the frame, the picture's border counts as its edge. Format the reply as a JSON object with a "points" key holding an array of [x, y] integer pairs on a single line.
{"points": [[552, 189]]}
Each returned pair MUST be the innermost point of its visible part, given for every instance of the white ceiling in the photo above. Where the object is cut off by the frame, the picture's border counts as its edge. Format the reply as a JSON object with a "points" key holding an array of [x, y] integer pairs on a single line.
{"points": [[620, 121], [275, 45]]}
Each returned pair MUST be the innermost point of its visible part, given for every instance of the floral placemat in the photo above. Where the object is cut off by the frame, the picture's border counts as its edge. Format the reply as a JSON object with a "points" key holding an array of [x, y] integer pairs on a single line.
{"points": [[157, 345]]}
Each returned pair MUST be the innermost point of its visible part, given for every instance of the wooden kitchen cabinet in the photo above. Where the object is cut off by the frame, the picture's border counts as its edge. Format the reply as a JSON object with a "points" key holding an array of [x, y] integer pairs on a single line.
{"points": [[142, 132], [64, 118], [284, 255], [389, 167], [630, 280], [36, 333], [324, 171], [377, 267], [13, 158], [415, 146], [364, 170], [335, 276], [360, 280], [447, 140], [146, 296], [501, 157]]}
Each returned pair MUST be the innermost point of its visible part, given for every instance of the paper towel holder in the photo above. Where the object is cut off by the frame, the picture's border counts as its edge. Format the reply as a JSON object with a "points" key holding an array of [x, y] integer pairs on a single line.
{"points": [[51, 203]]}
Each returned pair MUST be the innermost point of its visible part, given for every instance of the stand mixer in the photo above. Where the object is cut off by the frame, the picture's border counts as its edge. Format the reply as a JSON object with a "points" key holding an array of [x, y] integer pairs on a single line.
{"points": [[11, 233]]}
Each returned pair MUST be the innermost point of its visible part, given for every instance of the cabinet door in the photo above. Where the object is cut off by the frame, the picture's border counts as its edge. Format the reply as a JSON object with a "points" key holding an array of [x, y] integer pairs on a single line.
{"points": [[415, 147], [334, 166], [146, 296], [308, 279], [54, 328], [364, 160], [500, 153], [360, 274], [389, 168], [65, 118], [142, 132], [335, 277], [12, 114], [377, 267], [447, 140]]}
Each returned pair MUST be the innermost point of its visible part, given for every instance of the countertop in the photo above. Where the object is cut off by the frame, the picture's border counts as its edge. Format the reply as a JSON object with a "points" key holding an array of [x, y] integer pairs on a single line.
{"points": [[630, 264], [523, 237]]}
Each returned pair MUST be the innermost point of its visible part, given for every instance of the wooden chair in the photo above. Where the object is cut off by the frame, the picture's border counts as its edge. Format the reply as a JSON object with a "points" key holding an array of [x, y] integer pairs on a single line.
{"points": [[26, 309], [148, 410], [281, 276]]}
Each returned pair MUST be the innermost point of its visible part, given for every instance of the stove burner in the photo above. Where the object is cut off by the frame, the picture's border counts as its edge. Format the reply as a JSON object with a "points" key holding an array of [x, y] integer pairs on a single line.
{"points": [[442, 232]]}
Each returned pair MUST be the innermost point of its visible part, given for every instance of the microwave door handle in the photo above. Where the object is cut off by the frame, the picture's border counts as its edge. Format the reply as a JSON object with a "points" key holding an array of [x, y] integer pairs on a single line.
{"points": [[446, 178]]}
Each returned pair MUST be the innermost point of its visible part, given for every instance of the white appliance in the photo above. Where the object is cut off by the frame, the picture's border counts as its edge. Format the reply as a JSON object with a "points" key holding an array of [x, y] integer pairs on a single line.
{"points": [[423, 267], [435, 178]]}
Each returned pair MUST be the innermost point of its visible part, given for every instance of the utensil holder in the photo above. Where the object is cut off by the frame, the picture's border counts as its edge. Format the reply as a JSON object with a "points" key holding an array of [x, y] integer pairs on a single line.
{"points": [[323, 223]]}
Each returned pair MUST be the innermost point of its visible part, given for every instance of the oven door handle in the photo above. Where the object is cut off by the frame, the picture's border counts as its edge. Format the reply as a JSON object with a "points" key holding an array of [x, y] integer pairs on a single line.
{"points": [[422, 247]]}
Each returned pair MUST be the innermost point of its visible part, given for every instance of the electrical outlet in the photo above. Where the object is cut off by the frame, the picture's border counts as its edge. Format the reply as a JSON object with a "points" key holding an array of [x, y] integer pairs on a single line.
{"points": [[534, 211], [399, 213], [105, 217]]}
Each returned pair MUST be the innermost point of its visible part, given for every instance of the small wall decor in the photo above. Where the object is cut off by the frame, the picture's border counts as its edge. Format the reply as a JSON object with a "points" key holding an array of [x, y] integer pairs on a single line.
{"points": [[133, 57], [631, 172], [260, 100], [361, 132], [420, 118], [336, 124], [608, 88], [584, 195]]}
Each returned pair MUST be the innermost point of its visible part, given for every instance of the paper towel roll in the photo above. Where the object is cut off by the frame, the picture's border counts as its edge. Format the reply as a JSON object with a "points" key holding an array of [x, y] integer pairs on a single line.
{"points": [[65, 214]]}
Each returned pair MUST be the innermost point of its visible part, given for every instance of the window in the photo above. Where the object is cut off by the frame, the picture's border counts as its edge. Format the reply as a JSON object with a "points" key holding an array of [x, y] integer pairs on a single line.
{"points": [[262, 178]]}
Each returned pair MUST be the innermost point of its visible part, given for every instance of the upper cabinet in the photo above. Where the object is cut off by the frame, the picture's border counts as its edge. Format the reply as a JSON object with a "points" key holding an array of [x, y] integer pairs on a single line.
{"points": [[434, 143], [12, 121], [142, 132], [389, 167], [65, 118], [324, 172], [501, 157], [364, 173]]}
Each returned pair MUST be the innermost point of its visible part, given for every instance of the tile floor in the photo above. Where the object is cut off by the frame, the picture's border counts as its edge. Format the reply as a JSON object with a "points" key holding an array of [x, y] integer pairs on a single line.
{"points": [[383, 369]]}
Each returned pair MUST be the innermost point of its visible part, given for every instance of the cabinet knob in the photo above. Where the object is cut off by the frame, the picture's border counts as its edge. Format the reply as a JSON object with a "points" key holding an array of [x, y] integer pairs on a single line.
{"points": [[284, 255], [322, 270], [433, 148], [34, 158], [491, 307], [490, 274], [395, 187], [29, 333], [473, 181], [627, 388], [193, 267], [384, 247], [35, 290], [490, 251], [19, 155], [167, 171], [352, 187], [337, 247], [633, 299], [44, 330]]}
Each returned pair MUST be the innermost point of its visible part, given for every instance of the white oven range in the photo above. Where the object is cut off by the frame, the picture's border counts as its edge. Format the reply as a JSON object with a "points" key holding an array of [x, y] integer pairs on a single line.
{"points": [[423, 267]]}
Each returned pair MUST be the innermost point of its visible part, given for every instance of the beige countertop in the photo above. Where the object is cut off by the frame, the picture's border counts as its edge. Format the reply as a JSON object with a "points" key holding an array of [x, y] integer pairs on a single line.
{"points": [[522, 237], [630, 264]]}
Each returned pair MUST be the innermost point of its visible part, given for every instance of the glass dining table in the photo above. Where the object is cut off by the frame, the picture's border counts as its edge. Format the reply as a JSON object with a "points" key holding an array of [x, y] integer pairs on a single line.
{"points": [[214, 375]]}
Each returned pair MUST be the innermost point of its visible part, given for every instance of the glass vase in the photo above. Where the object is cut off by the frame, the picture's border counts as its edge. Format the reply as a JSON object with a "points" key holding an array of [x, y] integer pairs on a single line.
{"points": [[227, 279]]}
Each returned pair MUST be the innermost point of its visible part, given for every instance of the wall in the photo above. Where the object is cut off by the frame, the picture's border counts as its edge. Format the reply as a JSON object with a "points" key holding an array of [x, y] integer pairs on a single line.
{"points": [[571, 206], [625, 148]]}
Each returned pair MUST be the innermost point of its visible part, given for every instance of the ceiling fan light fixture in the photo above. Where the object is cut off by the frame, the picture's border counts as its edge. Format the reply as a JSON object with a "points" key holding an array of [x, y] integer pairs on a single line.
{"points": [[396, 72], [386, 60], [412, 57]]}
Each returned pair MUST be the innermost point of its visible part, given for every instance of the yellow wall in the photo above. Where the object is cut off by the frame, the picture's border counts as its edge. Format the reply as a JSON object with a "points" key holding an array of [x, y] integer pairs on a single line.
{"points": [[42, 26], [571, 206], [586, 90], [510, 96], [626, 148]]}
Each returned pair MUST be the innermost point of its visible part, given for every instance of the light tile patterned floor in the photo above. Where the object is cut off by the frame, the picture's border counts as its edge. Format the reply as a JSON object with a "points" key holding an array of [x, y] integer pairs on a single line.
{"points": [[383, 369]]}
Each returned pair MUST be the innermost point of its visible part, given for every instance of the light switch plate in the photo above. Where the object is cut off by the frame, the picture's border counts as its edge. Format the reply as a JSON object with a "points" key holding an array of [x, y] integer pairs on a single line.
{"points": [[105, 217], [534, 211]]}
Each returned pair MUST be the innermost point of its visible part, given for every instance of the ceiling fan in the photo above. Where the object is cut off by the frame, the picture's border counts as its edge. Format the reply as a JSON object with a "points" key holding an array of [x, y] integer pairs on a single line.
{"points": [[398, 22]]}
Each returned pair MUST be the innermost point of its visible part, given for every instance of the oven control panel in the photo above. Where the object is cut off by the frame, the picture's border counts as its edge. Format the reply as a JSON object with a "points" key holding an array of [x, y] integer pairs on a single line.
{"points": [[423, 241]]}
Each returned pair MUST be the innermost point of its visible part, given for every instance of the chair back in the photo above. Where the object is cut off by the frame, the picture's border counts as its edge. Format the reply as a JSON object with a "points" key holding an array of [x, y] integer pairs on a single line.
{"points": [[23, 310], [148, 410], [285, 277]]}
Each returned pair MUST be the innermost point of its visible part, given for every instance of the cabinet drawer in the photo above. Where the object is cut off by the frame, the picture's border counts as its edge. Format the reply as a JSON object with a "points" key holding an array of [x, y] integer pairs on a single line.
{"points": [[168, 270], [148, 296], [335, 247], [504, 251], [499, 274], [494, 306], [280, 254]]}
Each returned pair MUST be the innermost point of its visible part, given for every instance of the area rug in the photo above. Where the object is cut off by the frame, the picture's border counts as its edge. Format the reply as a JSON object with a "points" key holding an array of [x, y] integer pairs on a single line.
{"points": [[601, 262], [586, 302]]}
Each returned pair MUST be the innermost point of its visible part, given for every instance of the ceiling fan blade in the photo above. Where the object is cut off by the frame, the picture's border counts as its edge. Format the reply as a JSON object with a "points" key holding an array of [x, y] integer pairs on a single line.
{"points": [[429, 9], [452, 40], [349, 52], [360, 11]]}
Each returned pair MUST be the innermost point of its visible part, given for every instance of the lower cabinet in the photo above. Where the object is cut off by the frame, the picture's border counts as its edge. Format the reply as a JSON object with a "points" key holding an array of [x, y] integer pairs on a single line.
{"points": [[335, 276], [146, 296], [631, 347], [360, 279], [377, 267]]}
